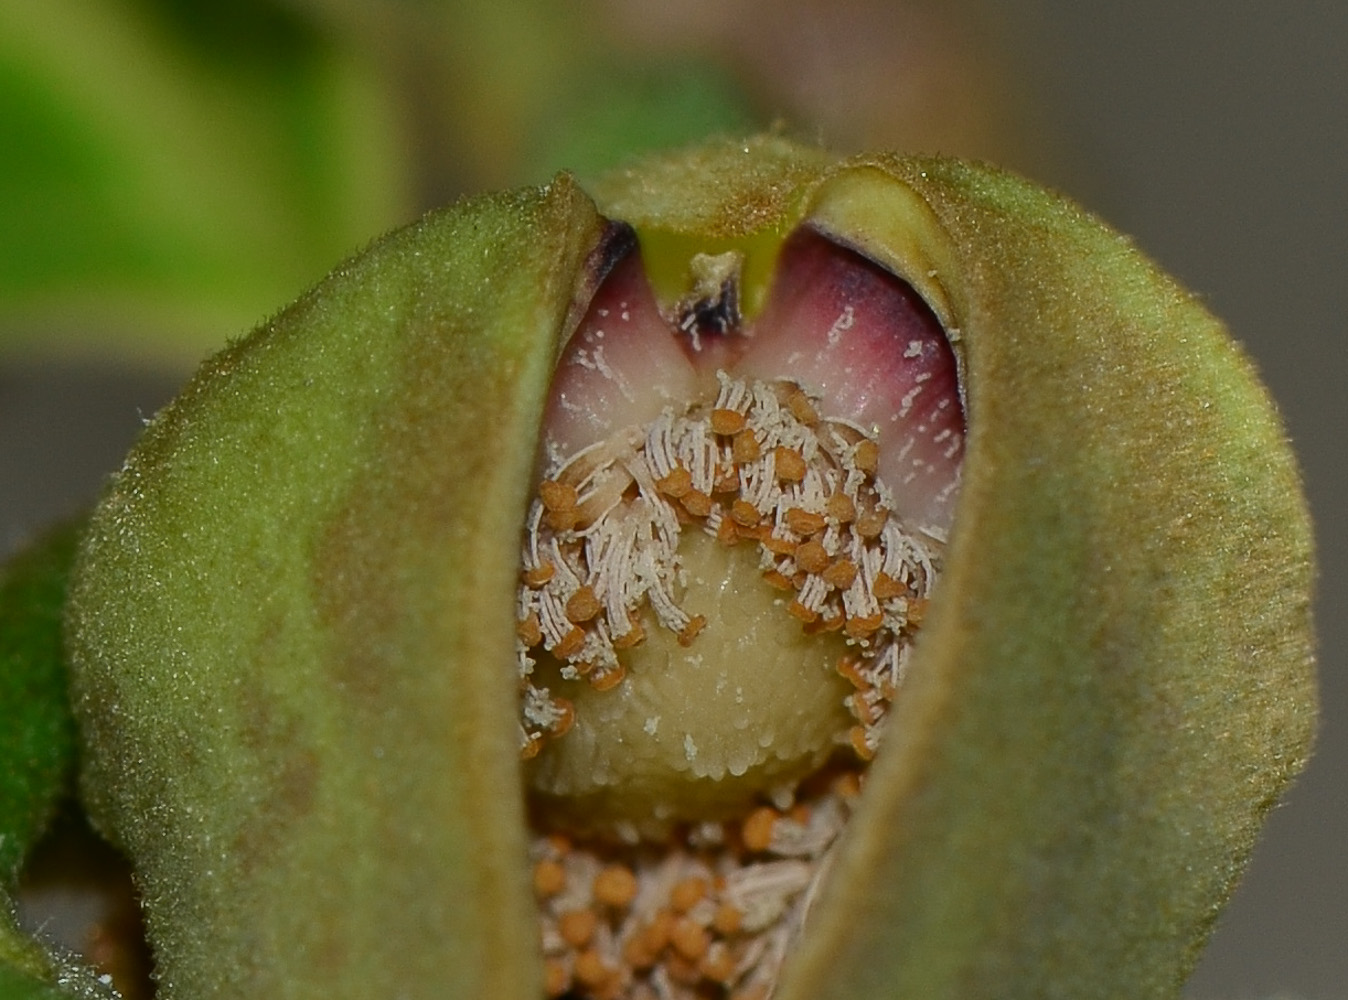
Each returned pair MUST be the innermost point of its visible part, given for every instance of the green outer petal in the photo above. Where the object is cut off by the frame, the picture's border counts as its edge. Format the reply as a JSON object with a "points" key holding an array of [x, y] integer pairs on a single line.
{"points": [[15, 985], [1115, 681], [37, 740], [159, 192], [290, 609]]}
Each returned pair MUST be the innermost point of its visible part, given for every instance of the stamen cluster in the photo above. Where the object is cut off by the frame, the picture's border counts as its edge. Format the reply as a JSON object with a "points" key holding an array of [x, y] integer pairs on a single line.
{"points": [[710, 910], [760, 465], [709, 915]]}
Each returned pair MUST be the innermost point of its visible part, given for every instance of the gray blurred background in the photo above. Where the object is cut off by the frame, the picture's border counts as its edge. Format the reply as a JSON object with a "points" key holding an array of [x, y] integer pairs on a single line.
{"points": [[1216, 134]]}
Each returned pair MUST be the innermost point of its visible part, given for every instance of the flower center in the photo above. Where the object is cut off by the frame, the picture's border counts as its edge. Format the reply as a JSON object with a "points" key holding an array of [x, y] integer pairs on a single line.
{"points": [[719, 589]]}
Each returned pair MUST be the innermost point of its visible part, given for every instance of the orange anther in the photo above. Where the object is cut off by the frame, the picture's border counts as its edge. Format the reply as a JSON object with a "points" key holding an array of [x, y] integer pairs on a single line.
{"points": [[690, 631], [727, 480], [576, 927], [804, 522], [637, 955], [857, 736], [850, 668], [861, 707], [745, 514], [676, 484], [866, 456], [841, 574], [696, 502], [779, 546], [656, 934], [802, 409], [687, 893], [871, 523], [609, 679], [631, 637], [727, 919], [530, 749], [583, 605], [848, 785], [538, 575], [615, 886], [590, 970], [745, 448], [726, 532], [917, 611], [727, 421], [557, 496], [776, 579], [789, 464], [556, 977], [718, 964], [562, 520], [529, 631], [797, 610], [549, 878], [812, 557], [840, 507], [756, 831], [570, 643], [683, 971], [689, 938], [566, 717], [861, 626], [885, 587]]}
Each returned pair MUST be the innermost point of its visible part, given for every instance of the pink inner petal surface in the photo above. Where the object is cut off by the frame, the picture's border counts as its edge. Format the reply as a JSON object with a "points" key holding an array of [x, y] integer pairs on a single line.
{"points": [[858, 336], [623, 365], [841, 326]]}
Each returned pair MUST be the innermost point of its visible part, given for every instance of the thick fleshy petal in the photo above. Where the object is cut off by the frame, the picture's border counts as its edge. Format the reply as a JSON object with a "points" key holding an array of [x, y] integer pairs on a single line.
{"points": [[292, 625], [291, 606]]}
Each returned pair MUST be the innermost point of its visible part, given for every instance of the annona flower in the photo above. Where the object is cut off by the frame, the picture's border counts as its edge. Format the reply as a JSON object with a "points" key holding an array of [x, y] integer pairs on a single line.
{"points": [[763, 575]]}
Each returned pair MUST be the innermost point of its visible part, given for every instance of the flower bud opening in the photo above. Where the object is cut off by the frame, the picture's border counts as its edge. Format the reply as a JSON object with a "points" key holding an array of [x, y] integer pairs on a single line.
{"points": [[736, 528]]}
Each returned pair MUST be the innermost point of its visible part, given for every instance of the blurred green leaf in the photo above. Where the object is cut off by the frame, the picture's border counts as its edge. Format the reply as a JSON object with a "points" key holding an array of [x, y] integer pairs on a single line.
{"points": [[166, 180], [37, 741], [173, 170], [37, 751]]}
